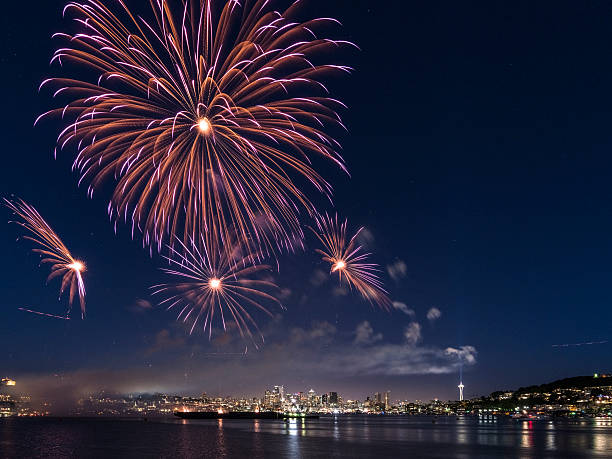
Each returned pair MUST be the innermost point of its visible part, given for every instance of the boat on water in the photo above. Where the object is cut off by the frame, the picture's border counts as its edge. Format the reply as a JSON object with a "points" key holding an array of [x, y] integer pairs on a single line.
{"points": [[242, 415]]}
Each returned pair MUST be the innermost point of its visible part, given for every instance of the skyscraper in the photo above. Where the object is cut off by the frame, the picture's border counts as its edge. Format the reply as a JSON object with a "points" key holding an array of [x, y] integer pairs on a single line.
{"points": [[279, 391], [268, 402]]}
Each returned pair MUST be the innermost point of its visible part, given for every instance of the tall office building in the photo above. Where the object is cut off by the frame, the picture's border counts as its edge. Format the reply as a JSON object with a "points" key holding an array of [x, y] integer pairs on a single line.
{"points": [[279, 391], [312, 397]]}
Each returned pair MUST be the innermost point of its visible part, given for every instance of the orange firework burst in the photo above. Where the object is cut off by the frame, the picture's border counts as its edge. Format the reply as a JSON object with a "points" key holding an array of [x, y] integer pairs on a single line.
{"points": [[53, 251], [204, 116], [215, 284], [348, 259]]}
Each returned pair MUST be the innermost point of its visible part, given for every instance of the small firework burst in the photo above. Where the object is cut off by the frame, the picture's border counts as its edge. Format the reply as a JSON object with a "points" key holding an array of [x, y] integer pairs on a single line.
{"points": [[212, 286], [53, 251], [348, 259]]}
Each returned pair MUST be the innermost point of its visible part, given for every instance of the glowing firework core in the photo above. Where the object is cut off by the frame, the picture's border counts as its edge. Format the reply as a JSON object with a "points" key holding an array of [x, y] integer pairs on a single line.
{"points": [[204, 126], [339, 265], [214, 283], [76, 266]]}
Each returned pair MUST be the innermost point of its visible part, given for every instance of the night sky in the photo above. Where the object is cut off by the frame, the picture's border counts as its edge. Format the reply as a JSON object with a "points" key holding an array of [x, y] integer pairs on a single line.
{"points": [[479, 151]]}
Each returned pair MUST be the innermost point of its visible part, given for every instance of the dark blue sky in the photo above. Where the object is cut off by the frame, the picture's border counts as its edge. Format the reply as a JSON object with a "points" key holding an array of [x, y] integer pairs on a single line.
{"points": [[479, 150]]}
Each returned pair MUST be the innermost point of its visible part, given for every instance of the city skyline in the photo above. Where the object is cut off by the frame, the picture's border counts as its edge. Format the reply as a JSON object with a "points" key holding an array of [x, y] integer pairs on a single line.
{"points": [[571, 397]]}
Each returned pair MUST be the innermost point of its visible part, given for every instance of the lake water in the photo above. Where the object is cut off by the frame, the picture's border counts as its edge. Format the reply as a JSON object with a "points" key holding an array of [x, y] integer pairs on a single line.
{"points": [[328, 437]]}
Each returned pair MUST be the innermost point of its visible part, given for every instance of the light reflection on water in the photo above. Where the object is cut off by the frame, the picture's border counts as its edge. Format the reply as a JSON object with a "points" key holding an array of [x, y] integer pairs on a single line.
{"points": [[551, 444], [462, 432], [527, 434], [336, 429], [524, 435], [498, 434], [221, 447], [601, 440], [341, 436]]}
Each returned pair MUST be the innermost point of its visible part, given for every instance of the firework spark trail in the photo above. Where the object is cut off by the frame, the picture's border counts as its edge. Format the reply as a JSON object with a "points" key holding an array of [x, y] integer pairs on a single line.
{"points": [[348, 259], [204, 116], [45, 314], [53, 250], [579, 344], [213, 285]]}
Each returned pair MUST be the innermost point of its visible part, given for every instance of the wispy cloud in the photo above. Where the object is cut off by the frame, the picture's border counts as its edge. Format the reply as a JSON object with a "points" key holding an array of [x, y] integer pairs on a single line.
{"points": [[320, 331], [412, 333], [284, 294], [464, 354], [434, 314], [364, 334], [319, 277], [402, 360], [164, 340], [404, 308], [397, 270], [140, 305], [365, 237]]}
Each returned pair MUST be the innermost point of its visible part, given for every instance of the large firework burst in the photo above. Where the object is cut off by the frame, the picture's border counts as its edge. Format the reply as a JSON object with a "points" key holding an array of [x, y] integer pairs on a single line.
{"points": [[52, 249], [216, 285], [348, 259], [204, 116]]}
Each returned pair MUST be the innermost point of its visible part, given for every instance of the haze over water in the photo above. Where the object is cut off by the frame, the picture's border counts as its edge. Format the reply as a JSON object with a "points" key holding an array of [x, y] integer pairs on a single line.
{"points": [[342, 437]]}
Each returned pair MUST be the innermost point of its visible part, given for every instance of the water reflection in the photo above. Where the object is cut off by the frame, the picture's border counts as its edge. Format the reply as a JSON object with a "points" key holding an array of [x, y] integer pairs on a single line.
{"points": [[341, 437], [221, 446], [527, 434], [291, 426], [540, 437], [336, 429], [294, 445], [603, 422], [364, 431], [462, 431], [601, 442], [551, 438], [258, 442]]}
